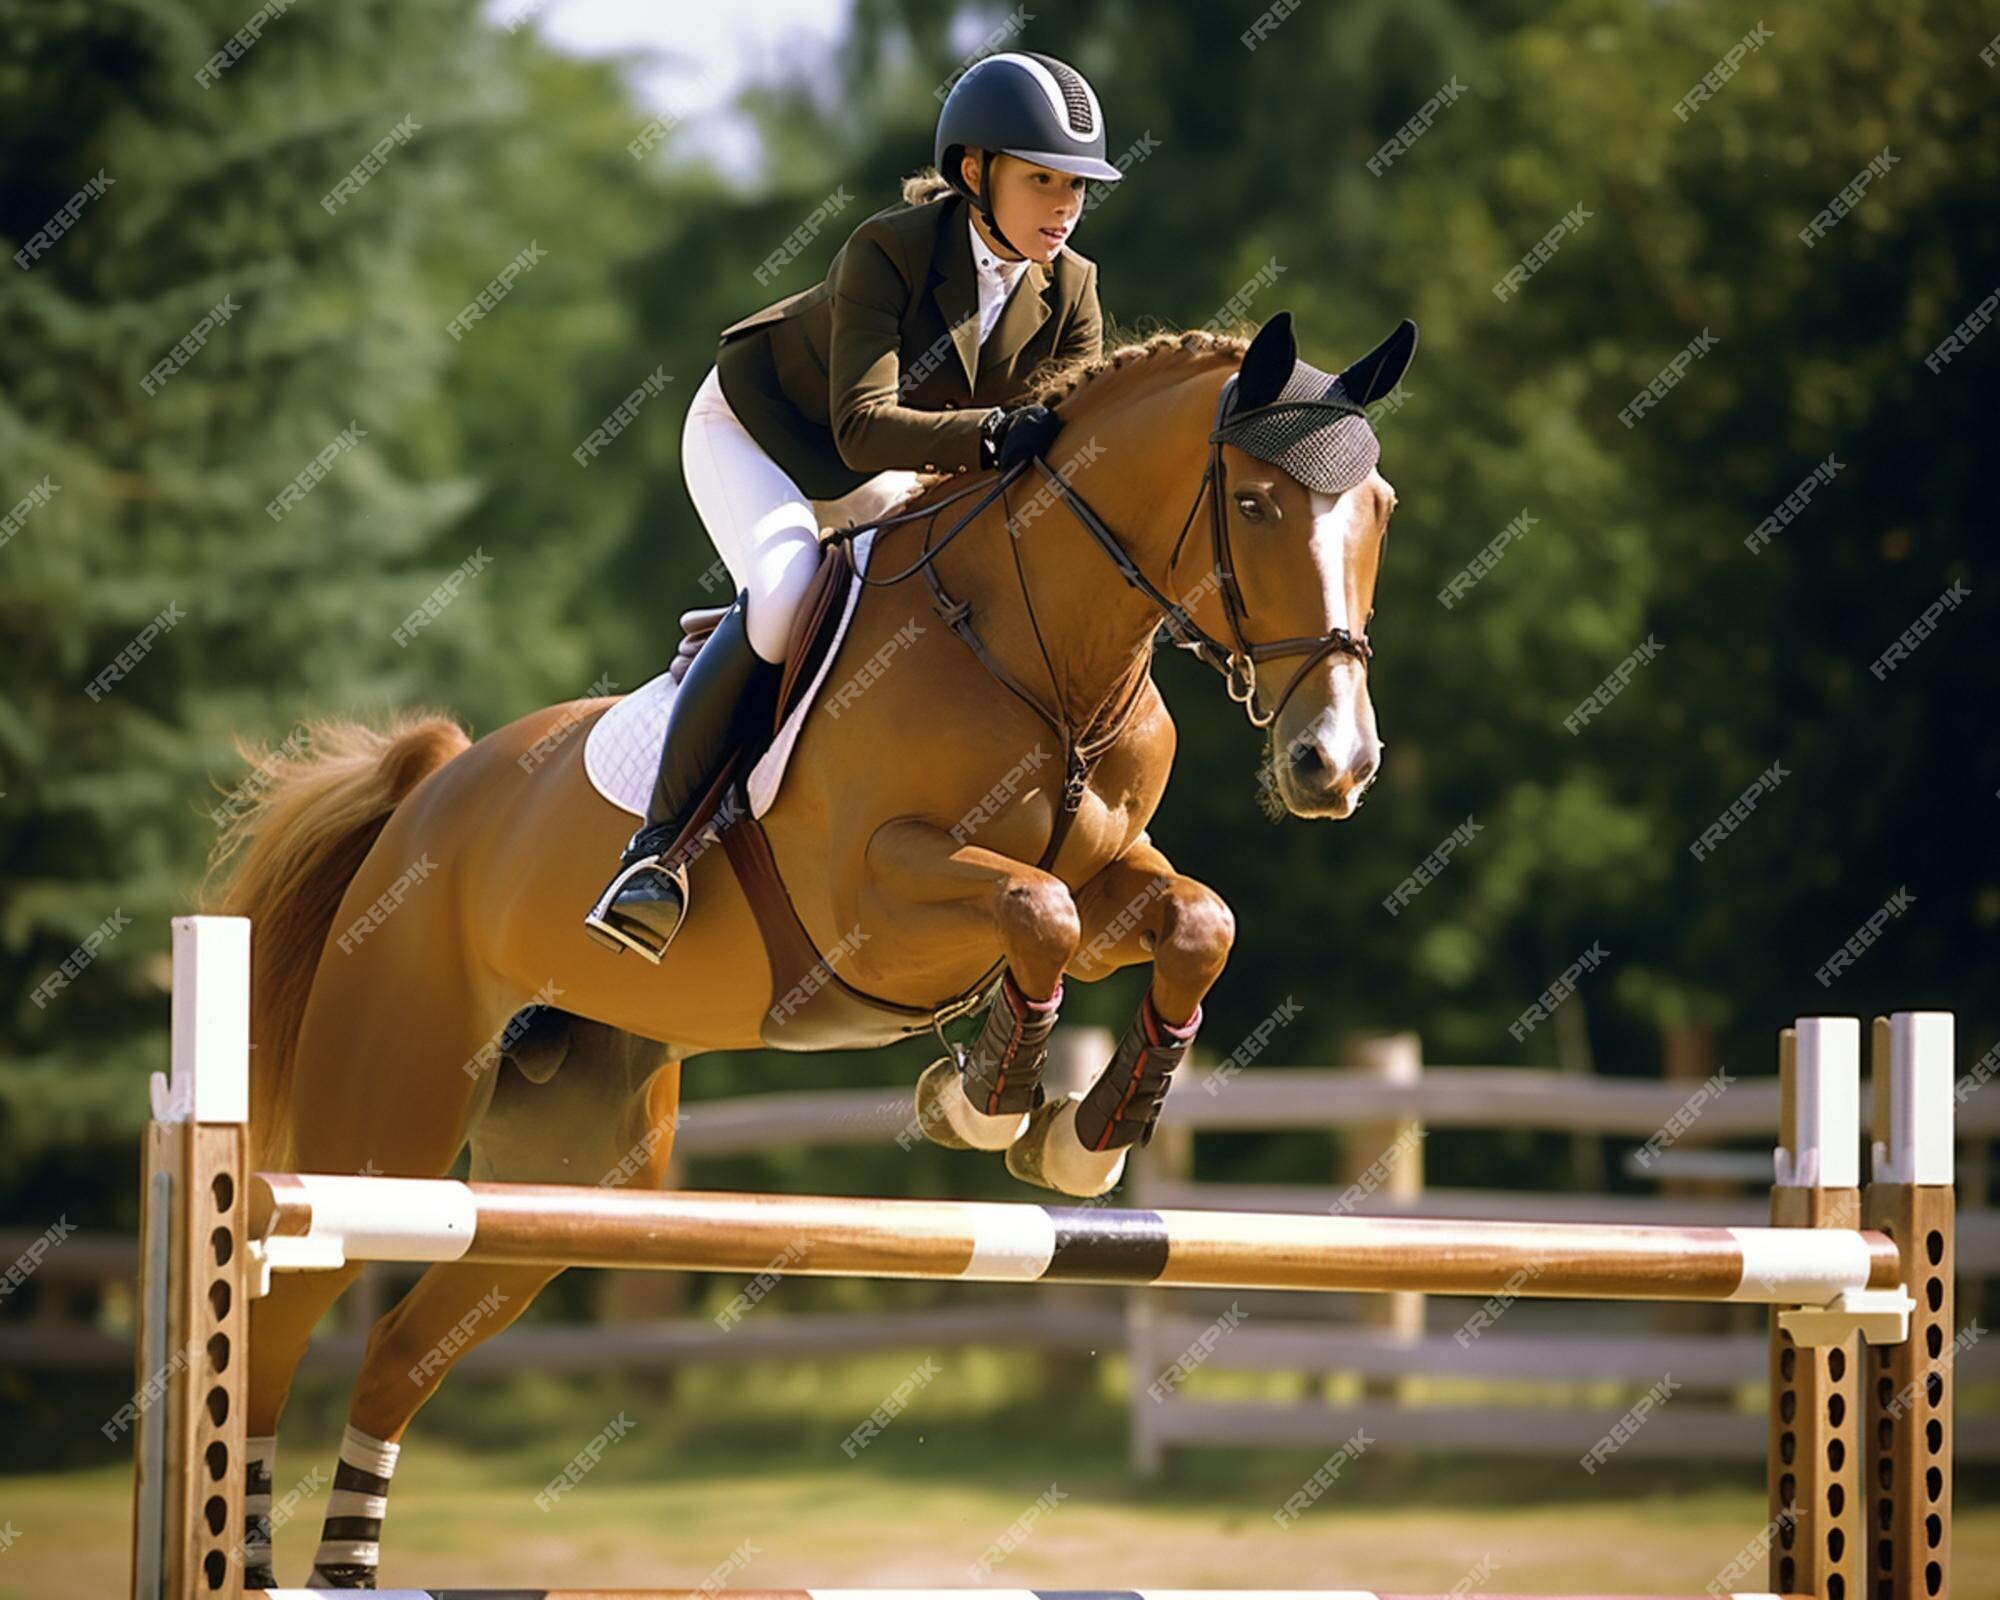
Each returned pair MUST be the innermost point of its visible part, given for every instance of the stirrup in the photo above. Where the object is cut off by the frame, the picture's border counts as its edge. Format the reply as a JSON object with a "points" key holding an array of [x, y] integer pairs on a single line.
{"points": [[611, 928]]}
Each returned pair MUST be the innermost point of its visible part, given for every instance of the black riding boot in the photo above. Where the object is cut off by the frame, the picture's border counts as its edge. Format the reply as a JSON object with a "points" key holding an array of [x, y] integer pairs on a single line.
{"points": [[727, 693]]}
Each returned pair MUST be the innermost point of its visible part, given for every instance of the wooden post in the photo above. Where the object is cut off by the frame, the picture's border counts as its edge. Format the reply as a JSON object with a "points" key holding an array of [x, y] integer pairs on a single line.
{"points": [[1909, 1386], [187, 1407], [1814, 1465], [1385, 1159]]}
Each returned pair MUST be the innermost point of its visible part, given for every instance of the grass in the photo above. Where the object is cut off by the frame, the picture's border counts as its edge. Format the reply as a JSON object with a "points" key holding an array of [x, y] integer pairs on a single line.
{"points": [[741, 1474]]}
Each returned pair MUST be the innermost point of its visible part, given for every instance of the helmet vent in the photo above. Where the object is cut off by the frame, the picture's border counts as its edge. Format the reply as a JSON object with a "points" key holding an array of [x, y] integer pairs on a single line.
{"points": [[1075, 93]]}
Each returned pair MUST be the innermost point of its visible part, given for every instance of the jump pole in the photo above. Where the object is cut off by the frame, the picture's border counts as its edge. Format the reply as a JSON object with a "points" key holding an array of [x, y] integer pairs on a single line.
{"points": [[212, 1233]]}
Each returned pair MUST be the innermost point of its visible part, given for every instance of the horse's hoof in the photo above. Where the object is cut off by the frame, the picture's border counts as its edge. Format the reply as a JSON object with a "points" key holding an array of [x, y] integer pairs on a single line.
{"points": [[1051, 1155], [948, 1118]]}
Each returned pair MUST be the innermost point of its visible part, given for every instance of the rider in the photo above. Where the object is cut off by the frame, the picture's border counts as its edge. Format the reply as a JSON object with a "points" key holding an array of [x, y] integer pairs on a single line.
{"points": [[822, 409]]}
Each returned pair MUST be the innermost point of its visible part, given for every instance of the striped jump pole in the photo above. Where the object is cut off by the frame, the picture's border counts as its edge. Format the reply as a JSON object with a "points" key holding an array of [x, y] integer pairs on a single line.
{"points": [[1859, 1282], [943, 1594], [312, 1221]]}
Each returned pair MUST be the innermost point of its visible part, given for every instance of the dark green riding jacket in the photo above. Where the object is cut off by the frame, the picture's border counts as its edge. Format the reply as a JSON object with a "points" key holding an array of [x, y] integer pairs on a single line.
{"points": [[880, 365]]}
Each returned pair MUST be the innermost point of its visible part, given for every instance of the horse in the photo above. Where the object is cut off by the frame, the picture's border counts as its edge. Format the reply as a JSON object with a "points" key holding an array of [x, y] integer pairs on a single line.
{"points": [[423, 980]]}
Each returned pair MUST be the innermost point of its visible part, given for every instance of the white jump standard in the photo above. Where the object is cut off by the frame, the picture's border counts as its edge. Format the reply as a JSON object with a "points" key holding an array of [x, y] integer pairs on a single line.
{"points": [[1861, 1316]]}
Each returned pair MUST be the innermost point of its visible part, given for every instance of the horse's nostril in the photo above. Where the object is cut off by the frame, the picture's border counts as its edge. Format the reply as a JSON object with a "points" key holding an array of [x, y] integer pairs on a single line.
{"points": [[1310, 766], [1365, 773]]}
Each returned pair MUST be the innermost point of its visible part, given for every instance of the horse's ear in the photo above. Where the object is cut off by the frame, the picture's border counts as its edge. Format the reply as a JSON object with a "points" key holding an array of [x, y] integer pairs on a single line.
{"points": [[1267, 364], [1379, 371]]}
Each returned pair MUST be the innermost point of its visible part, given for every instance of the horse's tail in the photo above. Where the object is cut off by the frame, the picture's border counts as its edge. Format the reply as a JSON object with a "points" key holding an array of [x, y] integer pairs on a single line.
{"points": [[285, 859]]}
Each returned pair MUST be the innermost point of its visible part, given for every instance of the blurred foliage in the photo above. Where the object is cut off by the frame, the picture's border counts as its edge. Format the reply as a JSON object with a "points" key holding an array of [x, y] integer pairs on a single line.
{"points": [[340, 321]]}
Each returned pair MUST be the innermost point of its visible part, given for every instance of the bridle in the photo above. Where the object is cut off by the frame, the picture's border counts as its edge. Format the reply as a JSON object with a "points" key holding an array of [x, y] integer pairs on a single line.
{"points": [[1237, 660]]}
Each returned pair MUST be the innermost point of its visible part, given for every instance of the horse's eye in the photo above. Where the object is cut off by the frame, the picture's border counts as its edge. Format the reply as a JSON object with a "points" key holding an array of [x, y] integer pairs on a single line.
{"points": [[1249, 508]]}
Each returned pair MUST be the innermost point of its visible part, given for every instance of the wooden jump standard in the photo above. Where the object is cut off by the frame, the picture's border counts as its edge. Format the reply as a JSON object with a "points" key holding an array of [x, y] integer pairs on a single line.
{"points": [[1860, 1463]]}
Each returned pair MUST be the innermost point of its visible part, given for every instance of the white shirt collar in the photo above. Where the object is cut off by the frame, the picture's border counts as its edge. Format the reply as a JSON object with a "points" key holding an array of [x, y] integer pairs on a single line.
{"points": [[989, 264]]}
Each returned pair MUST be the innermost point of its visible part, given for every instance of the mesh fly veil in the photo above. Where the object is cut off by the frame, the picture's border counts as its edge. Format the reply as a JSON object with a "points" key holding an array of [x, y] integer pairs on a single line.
{"points": [[1313, 427]]}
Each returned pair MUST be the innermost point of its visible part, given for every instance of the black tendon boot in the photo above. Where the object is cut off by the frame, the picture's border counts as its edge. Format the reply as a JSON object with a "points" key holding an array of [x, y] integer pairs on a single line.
{"points": [[978, 1098], [1079, 1145], [728, 692]]}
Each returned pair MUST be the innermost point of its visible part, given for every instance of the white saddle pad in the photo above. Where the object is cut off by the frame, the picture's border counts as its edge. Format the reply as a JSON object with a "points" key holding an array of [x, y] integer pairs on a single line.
{"points": [[622, 752]]}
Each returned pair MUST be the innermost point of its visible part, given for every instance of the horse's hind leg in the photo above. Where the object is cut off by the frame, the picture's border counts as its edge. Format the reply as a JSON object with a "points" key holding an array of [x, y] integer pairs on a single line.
{"points": [[606, 1116], [377, 1086]]}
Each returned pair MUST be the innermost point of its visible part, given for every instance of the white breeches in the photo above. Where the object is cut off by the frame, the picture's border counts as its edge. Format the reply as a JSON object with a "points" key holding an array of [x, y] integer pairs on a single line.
{"points": [[764, 527]]}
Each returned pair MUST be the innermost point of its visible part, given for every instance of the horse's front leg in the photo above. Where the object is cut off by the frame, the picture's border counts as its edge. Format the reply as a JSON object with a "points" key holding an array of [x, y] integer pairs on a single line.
{"points": [[1137, 909], [944, 893]]}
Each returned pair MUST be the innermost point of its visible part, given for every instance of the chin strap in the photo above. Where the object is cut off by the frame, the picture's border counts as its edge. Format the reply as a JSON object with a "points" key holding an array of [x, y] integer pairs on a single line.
{"points": [[985, 204]]}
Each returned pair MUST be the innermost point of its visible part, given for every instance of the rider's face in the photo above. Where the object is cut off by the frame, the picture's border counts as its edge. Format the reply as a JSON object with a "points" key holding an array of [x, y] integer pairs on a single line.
{"points": [[1037, 207]]}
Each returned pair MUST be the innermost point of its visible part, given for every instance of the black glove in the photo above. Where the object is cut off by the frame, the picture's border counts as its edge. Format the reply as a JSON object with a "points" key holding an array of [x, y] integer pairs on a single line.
{"points": [[1015, 433]]}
